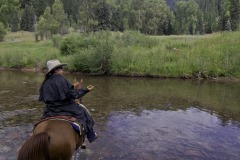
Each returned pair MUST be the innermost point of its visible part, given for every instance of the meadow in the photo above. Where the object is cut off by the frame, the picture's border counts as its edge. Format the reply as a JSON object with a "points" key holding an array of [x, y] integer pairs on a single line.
{"points": [[128, 54]]}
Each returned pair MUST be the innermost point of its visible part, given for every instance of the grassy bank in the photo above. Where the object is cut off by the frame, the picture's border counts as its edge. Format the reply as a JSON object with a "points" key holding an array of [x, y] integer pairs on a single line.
{"points": [[19, 50], [129, 53]]}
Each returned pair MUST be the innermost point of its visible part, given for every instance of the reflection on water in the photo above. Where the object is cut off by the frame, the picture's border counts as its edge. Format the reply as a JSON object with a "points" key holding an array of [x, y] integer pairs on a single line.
{"points": [[155, 134], [136, 118]]}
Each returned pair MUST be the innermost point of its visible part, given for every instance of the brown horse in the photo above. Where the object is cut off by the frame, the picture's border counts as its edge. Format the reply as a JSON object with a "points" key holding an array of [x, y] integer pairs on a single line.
{"points": [[52, 139]]}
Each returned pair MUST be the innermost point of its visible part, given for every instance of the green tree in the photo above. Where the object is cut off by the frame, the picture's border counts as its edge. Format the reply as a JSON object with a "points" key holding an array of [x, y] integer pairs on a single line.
{"points": [[168, 28], [235, 14], [200, 23], [15, 23], [224, 14], [124, 10], [136, 15], [186, 14], [150, 16], [2, 31], [7, 9], [39, 7], [209, 17], [71, 8], [228, 26], [103, 16], [87, 18], [28, 19], [52, 23], [50, 4], [117, 20]]}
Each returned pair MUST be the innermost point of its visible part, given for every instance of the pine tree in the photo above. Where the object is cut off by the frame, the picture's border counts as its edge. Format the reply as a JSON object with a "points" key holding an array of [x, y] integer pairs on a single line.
{"points": [[39, 7], [71, 8], [2, 31], [87, 16], [235, 14], [28, 20], [228, 26], [103, 14], [117, 21], [15, 23]]}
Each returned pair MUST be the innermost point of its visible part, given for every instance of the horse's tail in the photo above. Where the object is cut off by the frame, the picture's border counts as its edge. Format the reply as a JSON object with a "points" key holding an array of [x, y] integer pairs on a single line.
{"points": [[36, 147]]}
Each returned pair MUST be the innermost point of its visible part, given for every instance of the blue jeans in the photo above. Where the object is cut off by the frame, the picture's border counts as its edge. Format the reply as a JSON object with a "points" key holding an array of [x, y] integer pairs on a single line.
{"points": [[91, 135]]}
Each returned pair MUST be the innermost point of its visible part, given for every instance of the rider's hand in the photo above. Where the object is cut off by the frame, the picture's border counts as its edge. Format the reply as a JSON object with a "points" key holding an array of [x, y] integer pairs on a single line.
{"points": [[90, 87]]}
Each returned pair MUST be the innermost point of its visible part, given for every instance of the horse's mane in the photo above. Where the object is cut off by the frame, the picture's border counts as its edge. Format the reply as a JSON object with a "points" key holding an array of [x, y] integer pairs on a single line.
{"points": [[39, 143], [78, 85]]}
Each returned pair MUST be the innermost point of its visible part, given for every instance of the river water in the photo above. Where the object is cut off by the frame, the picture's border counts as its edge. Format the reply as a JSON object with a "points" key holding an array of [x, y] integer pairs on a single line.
{"points": [[136, 118]]}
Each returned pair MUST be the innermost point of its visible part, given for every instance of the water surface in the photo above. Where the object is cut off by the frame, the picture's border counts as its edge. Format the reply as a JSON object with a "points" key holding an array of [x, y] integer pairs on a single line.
{"points": [[136, 118]]}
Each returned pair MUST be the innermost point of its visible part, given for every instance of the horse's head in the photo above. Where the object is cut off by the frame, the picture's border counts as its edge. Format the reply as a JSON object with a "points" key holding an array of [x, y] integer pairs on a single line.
{"points": [[78, 85]]}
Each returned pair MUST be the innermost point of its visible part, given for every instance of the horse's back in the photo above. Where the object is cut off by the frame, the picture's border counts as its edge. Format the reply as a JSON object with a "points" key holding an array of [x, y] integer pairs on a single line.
{"points": [[62, 138]]}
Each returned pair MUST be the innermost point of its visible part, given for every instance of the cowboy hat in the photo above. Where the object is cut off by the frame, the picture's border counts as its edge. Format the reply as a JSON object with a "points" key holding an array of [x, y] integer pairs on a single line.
{"points": [[52, 64]]}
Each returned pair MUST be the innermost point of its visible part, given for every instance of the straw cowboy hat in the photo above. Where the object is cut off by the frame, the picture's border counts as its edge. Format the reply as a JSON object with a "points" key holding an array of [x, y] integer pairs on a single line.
{"points": [[52, 64]]}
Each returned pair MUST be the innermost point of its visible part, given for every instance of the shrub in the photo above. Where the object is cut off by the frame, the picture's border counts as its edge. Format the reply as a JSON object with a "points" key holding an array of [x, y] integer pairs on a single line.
{"points": [[70, 45], [133, 38], [57, 40], [101, 57], [75, 43], [90, 54]]}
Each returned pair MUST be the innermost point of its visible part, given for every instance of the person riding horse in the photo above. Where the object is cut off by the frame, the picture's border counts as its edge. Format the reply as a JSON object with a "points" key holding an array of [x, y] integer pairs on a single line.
{"points": [[59, 94]]}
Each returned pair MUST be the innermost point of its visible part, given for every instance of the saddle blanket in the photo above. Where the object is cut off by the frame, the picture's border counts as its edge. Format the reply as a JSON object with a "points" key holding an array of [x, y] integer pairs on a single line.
{"points": [[76, 127]]}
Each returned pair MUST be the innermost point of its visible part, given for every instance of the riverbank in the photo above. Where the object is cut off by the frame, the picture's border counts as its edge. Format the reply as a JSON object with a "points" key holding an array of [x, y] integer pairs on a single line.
{"points": [[128, 54], [39, 71]]}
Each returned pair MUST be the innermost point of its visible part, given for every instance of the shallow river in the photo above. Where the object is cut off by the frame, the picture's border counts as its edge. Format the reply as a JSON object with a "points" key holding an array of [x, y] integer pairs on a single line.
{"points": [[136, 118]]}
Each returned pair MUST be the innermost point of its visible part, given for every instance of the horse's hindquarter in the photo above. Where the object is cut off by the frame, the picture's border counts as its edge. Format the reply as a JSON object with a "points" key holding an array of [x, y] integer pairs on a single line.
{"points": [[62, 139]]}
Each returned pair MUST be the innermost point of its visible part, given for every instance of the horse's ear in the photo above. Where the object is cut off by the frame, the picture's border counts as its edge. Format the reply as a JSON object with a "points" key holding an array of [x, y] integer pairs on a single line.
{"points": [[74, 81], [81, 81]]}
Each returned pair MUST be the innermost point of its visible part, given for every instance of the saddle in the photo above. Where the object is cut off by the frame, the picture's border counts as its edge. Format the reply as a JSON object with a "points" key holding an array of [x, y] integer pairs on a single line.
{"points": [[72, 120]]}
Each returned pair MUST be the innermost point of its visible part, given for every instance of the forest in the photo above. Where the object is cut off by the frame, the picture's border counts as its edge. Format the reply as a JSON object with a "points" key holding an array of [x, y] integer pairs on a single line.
{"points": [[150, 17]]}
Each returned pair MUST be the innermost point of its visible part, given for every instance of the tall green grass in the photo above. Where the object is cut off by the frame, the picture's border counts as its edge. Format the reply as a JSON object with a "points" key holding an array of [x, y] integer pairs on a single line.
{"points": [[216, 56], [19, 50], [131, 53]]}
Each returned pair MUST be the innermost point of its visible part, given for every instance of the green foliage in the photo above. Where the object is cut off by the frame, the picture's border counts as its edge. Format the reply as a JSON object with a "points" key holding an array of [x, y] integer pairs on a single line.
{"points": [[57, 41], [39, 6], [101, 55], [235, 14], [103, 15], [73, 44], [71, 8], [17, 60], [52, 23], [133, 38], [186, 14], [87, 13], [2, 32], [19, 54], [7, 9], [15, 23], [28, 19], [105, 53], [90, 54], [151, 17]]}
